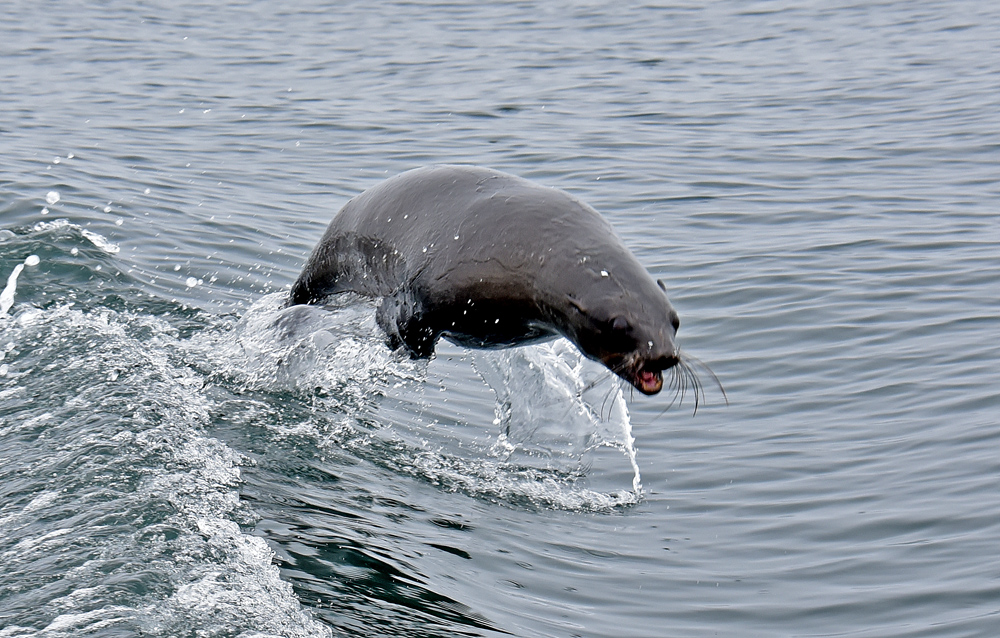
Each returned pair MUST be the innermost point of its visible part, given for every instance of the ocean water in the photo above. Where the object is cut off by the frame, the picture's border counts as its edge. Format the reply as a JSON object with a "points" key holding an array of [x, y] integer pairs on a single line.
{"points": [[816, 183]]}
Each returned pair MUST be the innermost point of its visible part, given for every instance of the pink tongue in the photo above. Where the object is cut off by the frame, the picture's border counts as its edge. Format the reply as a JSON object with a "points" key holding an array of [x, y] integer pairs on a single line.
{"points": [[650, 381]]}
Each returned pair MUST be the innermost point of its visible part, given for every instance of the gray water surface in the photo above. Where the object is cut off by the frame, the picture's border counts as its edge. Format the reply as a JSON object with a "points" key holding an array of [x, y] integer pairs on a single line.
{"points": [[817, 185]]}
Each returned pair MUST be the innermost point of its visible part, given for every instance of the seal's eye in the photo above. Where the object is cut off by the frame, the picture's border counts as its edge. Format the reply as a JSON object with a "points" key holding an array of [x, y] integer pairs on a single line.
{"points": [[620, 324], [675, 321]]}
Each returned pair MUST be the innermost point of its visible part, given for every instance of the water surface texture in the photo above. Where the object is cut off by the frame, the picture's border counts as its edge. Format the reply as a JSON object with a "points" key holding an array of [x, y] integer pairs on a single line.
{"points": [[816, 183]]}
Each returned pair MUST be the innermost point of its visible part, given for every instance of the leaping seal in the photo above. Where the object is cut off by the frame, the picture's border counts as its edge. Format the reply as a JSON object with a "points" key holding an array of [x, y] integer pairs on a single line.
{"points": [[490, 260]]}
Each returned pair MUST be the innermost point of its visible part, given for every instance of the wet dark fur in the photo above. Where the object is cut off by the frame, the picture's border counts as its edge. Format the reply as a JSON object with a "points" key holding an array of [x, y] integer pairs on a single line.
{"points": [[491, 260]]}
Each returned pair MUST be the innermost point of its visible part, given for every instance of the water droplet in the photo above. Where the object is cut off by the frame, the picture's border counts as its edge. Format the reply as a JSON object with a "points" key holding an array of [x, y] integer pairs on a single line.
{"points": [[51, 197], [146, 192], [177, 267], [31, 260], [191, 282], [604, 273], [119, 221], [45, 211], [56, 160], [74, 251]]}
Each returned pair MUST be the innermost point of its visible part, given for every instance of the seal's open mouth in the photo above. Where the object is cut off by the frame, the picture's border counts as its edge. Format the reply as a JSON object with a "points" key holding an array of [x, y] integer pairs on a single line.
{"points": [[645, 375], [648, 381]]}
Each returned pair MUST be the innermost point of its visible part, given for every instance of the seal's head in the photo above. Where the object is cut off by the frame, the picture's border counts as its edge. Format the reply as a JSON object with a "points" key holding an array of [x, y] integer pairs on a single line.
{"points": [[632, 335]]}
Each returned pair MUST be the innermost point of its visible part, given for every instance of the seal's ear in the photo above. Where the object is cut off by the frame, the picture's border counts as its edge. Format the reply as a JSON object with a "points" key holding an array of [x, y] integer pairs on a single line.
{"points": [[576, 303], [663, 286]]}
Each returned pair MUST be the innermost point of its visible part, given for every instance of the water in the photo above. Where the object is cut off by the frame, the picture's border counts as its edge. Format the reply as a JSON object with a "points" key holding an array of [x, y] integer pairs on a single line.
{"points": [[816, 184]]}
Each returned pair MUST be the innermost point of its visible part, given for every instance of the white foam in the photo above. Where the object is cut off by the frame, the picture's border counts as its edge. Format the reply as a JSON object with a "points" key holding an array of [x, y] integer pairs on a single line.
{"points": [[220, 577], [52, 225], [89, 621], [96, 239], [100, 241]]}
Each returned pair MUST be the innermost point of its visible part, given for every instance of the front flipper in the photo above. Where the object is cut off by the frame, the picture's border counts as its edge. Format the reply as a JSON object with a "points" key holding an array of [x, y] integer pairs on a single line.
{"points": [[405, 323]]}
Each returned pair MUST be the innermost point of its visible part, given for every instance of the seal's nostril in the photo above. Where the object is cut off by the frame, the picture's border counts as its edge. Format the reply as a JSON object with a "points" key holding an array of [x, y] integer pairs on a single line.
{"points": [[663, 363]]}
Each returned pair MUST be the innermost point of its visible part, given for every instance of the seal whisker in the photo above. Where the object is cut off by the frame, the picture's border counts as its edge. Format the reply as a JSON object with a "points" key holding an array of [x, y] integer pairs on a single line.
{"points": [[696, 386], [682, 380], [615, 386], [689, 359], [681, 374], [677, 385], [596, 382], [684, 376]]}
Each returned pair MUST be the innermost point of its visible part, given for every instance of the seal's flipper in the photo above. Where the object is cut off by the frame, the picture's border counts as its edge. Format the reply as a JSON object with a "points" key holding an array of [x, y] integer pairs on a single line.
{"points": [[404, 322]]}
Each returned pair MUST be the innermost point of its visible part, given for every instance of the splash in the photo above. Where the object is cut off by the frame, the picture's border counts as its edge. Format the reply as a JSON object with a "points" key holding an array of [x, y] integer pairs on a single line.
{"points": [[553, 402], [7, 296], [548, 419], [301, 349]]}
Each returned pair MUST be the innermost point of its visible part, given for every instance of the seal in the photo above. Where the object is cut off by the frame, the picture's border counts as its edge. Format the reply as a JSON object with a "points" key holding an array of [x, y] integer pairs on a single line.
{"points": [[491, 260]]}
